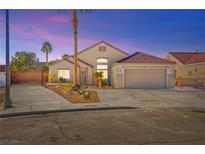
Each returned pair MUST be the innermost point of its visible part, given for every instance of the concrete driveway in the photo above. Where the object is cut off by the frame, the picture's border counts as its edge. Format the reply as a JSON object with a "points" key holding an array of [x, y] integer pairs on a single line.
{"points": [[154, 98], [27, 98]]}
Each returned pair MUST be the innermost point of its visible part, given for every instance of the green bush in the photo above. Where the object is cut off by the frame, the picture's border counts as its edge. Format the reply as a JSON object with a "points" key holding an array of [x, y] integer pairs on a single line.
{"points": [[61, 80], [45, 68], [104, 83], [52, 77], [86, 94], [67, 87]]}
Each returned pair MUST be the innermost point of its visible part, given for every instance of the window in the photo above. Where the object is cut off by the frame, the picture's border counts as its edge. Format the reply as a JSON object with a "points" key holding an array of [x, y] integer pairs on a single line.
{"points": [[102, 66], [102, 60], [105, 73], [102, 48], [64, 73]]}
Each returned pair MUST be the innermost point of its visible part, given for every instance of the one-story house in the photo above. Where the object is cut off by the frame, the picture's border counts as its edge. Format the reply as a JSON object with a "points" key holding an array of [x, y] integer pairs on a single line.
{"points": [[190, 67], [139, 70]]}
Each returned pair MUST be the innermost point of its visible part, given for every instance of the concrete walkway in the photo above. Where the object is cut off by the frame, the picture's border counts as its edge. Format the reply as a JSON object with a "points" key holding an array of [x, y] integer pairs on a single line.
{"points": [[27, 98]]}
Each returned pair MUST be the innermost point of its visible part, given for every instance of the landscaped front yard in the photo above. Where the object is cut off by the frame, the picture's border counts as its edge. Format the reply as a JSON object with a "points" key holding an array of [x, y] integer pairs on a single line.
{"points": [[81, 96]]}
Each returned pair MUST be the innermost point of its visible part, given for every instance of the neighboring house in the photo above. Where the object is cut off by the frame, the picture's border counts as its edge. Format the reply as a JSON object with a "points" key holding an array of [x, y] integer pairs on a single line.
{"points": [[40, 65], [190, 66], [98, 57], [2, 68], [2, 75], [141, 70]]}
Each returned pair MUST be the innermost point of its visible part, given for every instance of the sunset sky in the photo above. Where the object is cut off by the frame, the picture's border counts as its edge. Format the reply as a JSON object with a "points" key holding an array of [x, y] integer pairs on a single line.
{"points": [[153, 31]]}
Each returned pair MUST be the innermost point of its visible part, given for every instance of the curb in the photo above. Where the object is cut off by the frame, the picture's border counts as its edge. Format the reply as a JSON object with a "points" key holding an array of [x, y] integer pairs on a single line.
{"points": [[6, 115]]}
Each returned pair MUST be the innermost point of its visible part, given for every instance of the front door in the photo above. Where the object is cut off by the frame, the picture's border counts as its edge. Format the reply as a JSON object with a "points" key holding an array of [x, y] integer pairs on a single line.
{"points": [[83, 75]]}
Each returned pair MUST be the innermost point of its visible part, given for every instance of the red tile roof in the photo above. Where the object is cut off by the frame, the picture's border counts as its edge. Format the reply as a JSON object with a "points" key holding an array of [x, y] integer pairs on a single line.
{"points": [[189, 57], [140, 57]]}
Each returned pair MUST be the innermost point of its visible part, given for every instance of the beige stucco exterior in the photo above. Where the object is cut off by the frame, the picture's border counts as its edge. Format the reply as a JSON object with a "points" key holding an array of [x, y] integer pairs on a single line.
{"points": [[64, 64], [92, 54], [164, 79], [189, 73]]}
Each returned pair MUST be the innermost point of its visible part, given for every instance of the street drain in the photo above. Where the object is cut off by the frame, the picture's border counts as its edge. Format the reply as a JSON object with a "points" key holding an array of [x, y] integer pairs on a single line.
{"points": [[199, 111]]}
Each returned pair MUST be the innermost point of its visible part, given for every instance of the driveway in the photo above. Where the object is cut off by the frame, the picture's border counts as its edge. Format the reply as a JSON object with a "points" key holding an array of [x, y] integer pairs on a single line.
{"points": [[154, 98], [27, 98]]}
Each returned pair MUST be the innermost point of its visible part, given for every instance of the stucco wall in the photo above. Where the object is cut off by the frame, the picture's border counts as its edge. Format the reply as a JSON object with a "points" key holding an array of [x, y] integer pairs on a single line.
{"points": [[53, 69], [89, 68], [67, 65], [92, 54]]}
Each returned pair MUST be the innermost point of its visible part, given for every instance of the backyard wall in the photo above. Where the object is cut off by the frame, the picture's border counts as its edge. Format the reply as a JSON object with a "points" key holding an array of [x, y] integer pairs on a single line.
{"points": [[29, 77]]}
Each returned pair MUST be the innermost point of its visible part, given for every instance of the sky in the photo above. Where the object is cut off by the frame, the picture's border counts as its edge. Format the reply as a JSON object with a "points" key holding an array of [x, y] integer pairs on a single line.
{"points": [[152, 31]]}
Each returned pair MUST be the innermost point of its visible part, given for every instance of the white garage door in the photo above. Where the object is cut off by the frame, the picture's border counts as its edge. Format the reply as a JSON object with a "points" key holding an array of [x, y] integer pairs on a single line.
{"points": [[145, 78]]}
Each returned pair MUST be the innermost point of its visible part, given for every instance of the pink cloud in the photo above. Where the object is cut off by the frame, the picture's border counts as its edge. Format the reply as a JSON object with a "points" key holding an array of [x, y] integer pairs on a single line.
{"points": [[35, 32], [59, 19]]}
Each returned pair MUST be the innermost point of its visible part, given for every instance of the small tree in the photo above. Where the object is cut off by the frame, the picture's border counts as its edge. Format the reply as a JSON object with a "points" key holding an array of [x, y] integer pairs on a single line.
{"points": [[24, 61], [47, 48], [98, 76], [64, 56]]}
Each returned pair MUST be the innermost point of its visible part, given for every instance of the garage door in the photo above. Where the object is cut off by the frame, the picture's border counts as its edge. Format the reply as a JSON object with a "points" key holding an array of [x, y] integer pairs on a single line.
{"points": [[146, 78]]}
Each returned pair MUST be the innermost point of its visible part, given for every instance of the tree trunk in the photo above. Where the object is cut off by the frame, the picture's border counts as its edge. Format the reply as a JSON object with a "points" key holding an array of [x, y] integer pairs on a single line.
{"points": [[100, 83], [46, 58], [8, 100], [75, 25]]}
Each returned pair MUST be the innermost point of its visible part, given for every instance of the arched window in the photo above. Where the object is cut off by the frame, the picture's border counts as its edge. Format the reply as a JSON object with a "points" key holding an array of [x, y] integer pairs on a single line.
{"points": [[102, 60], [102, 66]]}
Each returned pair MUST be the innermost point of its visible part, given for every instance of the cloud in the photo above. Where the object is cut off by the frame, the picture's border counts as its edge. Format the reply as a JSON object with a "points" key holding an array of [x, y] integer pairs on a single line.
{"points": [[59, 19]]}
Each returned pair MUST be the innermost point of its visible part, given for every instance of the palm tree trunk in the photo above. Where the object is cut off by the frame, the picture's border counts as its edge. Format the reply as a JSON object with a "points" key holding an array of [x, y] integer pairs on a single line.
{"points": [[46, 58], [8, 100], [75, 25]]}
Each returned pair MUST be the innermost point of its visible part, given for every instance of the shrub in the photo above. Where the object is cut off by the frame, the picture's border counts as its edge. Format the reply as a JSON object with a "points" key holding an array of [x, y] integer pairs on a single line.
{"points": [[67, 87], [86, 94], [52, 77], [45, 68], [61, 80], [104, 83]]}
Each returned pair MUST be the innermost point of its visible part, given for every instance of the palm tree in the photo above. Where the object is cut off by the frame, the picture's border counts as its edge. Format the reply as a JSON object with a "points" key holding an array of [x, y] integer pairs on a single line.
{"points": [[8, 100], [98, 76], [75, 30], [64, 56], [47, 48]]}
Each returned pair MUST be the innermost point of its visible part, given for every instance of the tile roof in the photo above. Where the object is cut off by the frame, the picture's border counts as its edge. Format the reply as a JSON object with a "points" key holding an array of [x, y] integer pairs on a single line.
{"points": [[83, 61], [57, 61], [140, 57], [40, 65], [189, 57]]}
